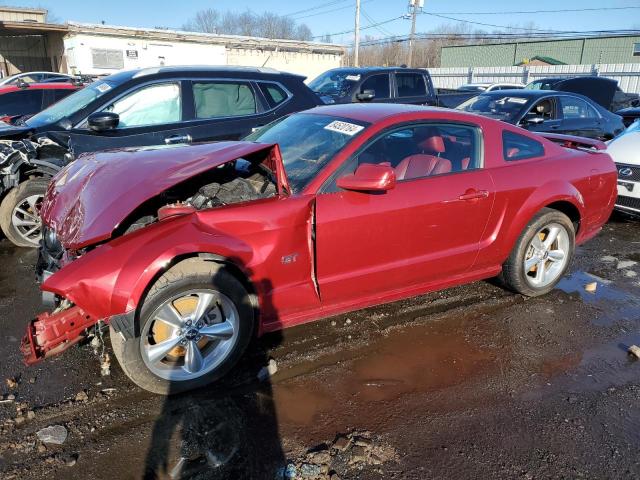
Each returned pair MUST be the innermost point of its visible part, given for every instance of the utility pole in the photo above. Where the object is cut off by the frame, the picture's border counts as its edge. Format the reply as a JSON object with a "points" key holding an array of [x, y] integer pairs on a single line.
{"points": [[357, 36], [414, 7]]}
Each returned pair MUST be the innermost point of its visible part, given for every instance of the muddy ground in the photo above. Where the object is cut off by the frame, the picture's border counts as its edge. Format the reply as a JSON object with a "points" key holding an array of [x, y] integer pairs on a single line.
{"points": [[472, 382]]}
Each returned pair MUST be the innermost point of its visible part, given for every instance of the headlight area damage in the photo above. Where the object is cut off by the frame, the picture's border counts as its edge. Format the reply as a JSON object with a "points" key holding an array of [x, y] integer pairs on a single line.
{"points": [[104, 199], [23, 156]]}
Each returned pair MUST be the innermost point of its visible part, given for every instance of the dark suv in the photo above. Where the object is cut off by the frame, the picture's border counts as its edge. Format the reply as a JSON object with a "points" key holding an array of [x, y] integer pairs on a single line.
{"points": [[375, 84], [153, 106]]}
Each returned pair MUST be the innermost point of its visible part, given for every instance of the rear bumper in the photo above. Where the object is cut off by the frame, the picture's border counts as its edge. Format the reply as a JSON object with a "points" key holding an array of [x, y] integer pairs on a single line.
{"points": [[52, 333]]}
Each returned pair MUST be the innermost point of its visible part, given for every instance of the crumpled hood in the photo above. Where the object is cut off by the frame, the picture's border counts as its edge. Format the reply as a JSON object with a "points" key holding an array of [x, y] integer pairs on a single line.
{"points": [[90, 197]]}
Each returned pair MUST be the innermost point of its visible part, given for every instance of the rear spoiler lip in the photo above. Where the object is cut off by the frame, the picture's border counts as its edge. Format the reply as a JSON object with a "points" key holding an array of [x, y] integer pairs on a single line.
{"points": [[577, 143]]}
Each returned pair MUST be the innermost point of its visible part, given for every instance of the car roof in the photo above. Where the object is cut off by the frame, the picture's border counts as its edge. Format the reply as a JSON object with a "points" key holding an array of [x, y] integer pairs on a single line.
{"points": [[376, 69], [39, 86], [126, 75], [375, 112]]}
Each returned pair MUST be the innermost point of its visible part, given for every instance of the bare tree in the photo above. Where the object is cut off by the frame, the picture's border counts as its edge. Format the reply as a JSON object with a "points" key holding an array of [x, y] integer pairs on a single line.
{"points": [[267, 25], [205, 21]]}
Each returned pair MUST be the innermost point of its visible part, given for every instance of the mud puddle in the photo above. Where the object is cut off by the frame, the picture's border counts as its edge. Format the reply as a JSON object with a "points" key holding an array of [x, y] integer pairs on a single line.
{"points": [[613, 303], [416, 359]]}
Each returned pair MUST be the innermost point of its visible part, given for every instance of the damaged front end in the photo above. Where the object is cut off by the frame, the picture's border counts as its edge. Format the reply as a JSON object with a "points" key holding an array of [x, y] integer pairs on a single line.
{"points": [[52, 333], [106, 197]]}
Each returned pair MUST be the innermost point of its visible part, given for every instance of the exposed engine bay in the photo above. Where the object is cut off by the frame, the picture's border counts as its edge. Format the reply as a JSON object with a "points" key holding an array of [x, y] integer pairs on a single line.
{"points": [[238, 181]]}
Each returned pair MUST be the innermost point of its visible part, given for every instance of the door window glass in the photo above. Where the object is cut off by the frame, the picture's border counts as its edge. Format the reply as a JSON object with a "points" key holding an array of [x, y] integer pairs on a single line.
{"points": [[573, 108], [150, 105], [223, 99], [21, 103], [543, 109], [378, 83], [519, 147], [422, 150], [274, 94], [411, 85]]}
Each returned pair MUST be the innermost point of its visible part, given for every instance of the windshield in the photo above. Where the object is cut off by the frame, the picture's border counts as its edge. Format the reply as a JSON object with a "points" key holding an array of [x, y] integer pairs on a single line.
{"points": [[308, 142], [69, 105], [334, 83], [503, 107]]}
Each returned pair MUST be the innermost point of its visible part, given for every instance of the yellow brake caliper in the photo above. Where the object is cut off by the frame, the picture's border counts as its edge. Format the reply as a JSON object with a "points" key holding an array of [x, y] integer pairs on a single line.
{"points": [[161, 331]]}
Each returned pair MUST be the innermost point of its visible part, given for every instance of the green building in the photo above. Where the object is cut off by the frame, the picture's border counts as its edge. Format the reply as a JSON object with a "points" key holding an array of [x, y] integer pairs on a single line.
{"points": [[574, 51]]}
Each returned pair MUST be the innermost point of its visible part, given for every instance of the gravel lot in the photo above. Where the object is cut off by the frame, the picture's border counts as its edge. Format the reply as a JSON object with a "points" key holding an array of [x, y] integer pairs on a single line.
{"points": [[472, 382]]}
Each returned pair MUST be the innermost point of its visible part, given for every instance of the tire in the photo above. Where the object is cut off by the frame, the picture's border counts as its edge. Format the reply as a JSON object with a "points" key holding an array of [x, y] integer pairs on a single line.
{"points": [[189, 279], [546, 269], [22, 204]]}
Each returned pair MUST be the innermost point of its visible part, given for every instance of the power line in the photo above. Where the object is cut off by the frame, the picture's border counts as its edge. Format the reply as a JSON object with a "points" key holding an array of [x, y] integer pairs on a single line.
{"points": [[371, 21], [497, 36], [490, 24], [317, 7], [330, 11], [361, 28], [563, 10]]}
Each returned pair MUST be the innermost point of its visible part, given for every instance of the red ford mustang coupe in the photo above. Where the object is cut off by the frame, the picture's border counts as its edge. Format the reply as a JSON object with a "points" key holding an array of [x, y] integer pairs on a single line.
{"points": [[185, 252]]}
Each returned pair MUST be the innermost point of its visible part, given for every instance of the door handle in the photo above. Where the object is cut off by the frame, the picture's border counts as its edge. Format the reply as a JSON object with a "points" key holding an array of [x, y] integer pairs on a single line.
{"points": [[173, 139], [474, 195]]}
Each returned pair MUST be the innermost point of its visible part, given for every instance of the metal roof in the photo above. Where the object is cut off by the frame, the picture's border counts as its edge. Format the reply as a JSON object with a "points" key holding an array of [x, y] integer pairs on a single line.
{"points": [[236, 41]]}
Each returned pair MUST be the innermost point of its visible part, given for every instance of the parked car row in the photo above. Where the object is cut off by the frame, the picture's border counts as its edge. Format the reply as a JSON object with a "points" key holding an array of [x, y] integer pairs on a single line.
{"points": [[171, 105], [185, 247]]}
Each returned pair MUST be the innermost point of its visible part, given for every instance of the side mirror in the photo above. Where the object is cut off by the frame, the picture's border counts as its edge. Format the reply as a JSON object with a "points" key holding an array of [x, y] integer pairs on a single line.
{"points": [[102, 121], [366, 95], [369, 177]]}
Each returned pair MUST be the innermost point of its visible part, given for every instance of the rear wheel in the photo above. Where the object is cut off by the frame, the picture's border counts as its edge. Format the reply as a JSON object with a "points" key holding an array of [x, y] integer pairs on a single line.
{"points": [[542, 255], [195, 324], [20, 212]]}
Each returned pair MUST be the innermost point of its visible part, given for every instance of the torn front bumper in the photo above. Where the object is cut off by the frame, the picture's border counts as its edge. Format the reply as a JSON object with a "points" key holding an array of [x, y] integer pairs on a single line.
{"points": [[52, 333]]}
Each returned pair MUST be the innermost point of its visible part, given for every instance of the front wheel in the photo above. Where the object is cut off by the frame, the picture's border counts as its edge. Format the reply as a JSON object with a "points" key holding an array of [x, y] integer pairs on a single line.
{"points": [[542, 255], [194, 326], [20, 212]]}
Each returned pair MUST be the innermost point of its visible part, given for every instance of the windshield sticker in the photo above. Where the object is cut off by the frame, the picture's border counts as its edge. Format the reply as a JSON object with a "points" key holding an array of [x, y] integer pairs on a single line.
{"points": [[344, 128], [521, 101], [353, 78], [103, 87]]}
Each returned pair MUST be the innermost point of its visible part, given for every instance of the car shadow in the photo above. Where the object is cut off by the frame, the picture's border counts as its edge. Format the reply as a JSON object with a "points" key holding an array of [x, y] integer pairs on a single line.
{"points": [[228, 430]]}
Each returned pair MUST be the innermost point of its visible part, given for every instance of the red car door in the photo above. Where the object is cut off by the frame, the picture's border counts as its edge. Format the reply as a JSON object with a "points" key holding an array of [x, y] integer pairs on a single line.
{"points": [[424, 230]]}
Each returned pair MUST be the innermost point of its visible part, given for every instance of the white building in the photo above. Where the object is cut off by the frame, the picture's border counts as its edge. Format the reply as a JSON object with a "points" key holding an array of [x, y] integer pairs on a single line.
{"points": [[104, 49]]}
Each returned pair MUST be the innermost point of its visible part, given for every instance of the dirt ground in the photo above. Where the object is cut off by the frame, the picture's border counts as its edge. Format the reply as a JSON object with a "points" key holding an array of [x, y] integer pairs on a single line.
{"points": [[473, 382]]}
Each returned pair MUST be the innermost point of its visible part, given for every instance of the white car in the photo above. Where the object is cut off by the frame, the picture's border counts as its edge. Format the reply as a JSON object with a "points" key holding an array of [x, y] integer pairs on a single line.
{"points": [[488, 87], [625, 151]]}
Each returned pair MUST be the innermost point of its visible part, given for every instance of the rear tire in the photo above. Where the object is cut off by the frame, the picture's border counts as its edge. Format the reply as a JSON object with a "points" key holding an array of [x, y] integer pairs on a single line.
{"points": [[541, 255], [182, 287], [20, 212]]}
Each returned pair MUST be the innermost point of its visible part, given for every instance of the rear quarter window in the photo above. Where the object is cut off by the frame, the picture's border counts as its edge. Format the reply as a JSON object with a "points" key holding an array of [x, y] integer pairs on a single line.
{"points": [[519, 147]]}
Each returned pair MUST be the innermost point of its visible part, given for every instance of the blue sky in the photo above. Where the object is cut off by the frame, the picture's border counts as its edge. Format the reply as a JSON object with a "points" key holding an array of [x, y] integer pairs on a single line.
{"points": [[149, 13]]}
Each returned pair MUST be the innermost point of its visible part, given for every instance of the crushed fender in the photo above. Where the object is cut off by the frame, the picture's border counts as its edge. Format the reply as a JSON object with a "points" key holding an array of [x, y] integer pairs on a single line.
{"points": [[52, 333]]}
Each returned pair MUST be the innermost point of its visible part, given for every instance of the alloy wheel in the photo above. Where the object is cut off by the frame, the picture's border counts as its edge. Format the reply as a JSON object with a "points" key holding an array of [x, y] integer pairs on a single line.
{"points": [[26, 219], [190, 335], [547, 255]]}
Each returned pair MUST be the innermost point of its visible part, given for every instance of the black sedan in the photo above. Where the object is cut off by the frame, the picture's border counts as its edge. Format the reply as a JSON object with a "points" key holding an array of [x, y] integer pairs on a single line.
{"points": [[548, 111], [154, 106]]}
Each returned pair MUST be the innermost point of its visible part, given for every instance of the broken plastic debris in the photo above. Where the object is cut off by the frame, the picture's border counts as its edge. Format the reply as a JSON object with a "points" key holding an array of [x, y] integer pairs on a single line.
{"points": [[55, 435], [105, 366], [635, 351], [625, 264], [591, 287], [268, 371]]}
